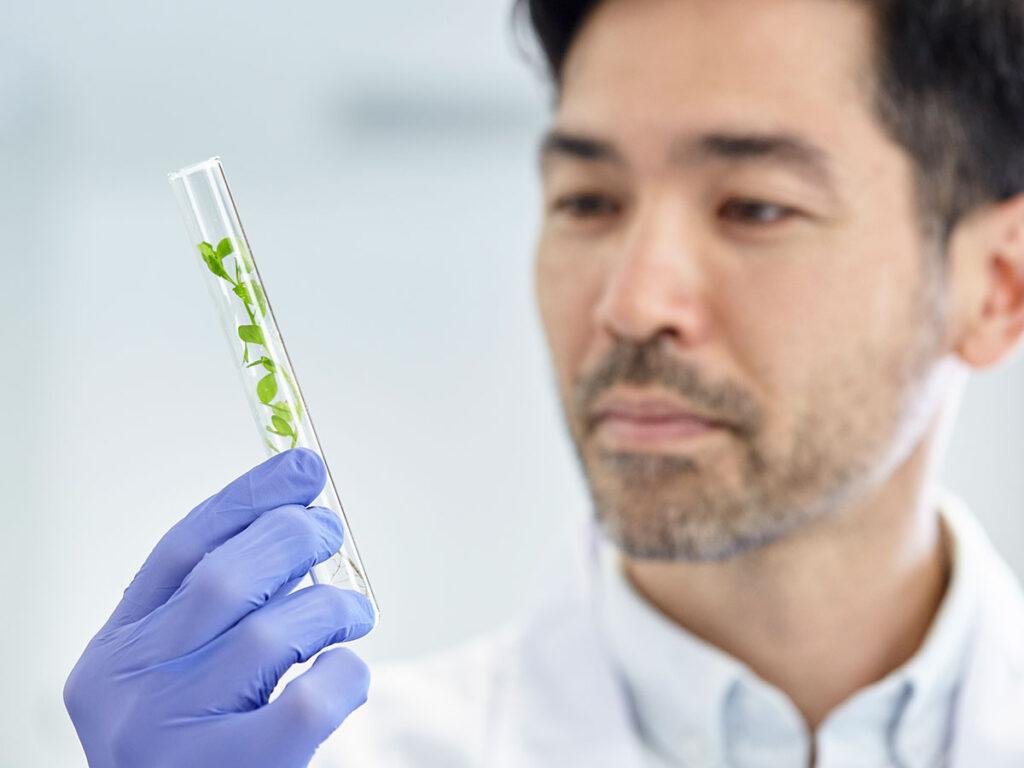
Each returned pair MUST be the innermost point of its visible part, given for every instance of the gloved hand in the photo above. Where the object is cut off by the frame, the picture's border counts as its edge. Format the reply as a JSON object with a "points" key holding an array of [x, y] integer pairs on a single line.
{"points": [[181, 673]]}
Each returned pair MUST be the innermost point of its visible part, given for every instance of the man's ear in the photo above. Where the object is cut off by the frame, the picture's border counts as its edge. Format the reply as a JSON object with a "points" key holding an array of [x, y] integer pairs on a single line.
{"points": [[987, 258]]}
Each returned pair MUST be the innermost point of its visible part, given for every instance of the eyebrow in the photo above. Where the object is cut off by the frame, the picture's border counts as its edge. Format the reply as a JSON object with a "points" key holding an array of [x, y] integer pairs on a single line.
{"points": [[558, 143], [804, 158]]}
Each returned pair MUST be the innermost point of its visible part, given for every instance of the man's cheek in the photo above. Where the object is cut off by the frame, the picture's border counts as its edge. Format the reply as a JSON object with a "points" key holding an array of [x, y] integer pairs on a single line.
{"points": [[564, 321]]}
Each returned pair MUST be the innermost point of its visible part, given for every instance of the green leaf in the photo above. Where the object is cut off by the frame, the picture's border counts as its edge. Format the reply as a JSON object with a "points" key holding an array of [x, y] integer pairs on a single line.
{"points": [[213, 261], [266, 362], [283, 410], [266, 388], [224, 248], [243, 293], [252, 334], [283, 427], [275, 432]]}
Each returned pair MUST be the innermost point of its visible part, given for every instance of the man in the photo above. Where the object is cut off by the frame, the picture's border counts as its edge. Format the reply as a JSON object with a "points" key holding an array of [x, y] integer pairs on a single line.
{"points": [[776, 235]]}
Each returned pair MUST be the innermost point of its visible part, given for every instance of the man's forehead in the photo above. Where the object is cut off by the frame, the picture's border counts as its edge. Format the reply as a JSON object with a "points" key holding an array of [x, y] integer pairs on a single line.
{"points": [[724, 58], [720, 30]]}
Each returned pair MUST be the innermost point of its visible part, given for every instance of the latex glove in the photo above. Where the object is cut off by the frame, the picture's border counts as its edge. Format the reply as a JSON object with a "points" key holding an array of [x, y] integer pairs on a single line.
{"points": [[181, 673]]}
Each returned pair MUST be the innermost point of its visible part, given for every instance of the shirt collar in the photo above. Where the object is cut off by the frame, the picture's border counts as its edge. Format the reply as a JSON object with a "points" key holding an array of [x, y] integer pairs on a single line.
{"points": [[681, 720], [696, 704]]}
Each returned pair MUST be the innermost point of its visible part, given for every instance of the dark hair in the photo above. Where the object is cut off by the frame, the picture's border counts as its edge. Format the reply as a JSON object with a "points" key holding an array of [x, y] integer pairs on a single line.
{"points": [[949, 90]]}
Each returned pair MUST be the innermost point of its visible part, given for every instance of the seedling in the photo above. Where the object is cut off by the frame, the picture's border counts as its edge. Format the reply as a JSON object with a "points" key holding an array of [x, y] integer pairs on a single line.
{"points": [[284, 417]]}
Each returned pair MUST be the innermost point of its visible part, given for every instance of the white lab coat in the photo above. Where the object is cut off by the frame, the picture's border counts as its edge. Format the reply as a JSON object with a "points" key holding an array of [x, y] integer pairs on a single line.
{"points": [[543, 694]]}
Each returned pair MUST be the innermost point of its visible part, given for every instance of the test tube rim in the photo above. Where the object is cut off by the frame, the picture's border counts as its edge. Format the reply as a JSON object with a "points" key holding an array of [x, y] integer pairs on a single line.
{"points": [[188, 170]]}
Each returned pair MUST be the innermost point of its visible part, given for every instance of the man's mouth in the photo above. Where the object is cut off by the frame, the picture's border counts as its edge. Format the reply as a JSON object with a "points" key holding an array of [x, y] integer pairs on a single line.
{"points": [[644, 421]]}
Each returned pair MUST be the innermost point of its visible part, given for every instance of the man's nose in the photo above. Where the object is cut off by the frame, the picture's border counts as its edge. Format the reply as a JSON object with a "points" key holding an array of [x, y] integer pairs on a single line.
{"points": [[655, 281]]}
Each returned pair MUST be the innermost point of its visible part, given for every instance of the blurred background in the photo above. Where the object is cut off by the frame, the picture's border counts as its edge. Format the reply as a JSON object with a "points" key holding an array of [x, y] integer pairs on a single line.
{"points": [[382, 156]]}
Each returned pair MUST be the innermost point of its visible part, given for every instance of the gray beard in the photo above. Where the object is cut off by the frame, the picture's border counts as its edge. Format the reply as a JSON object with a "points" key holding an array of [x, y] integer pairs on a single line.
{"points": [[700, 528]]}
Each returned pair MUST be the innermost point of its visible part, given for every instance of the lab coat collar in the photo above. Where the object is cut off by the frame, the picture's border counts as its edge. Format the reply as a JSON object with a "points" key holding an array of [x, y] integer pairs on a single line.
{"points": [[990, 718], [583, 717]]}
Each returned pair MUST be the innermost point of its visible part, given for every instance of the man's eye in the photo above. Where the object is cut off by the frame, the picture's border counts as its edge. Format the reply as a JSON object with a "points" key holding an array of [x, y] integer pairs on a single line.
{"points": [[586, 205], [755, 212]]}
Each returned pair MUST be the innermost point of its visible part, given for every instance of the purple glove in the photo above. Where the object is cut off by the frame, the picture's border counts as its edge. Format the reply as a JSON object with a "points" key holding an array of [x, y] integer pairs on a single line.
{"points": [[181, 673]]}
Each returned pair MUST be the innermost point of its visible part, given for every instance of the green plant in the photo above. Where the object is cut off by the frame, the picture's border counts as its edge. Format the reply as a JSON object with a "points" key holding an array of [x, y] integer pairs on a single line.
{"points": [[284, 414]]}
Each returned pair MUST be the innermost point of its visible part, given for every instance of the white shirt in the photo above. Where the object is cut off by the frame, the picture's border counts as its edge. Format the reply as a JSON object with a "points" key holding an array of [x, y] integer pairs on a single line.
{"points": [[695, 705]]}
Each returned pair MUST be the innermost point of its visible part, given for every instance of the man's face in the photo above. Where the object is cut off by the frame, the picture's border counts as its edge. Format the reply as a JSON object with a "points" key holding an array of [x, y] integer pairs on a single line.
{"points": [[729, 232]]}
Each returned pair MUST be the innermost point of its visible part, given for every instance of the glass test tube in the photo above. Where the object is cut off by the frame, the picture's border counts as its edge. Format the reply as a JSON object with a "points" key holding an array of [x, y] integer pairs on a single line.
{"points": [[217, 238]]}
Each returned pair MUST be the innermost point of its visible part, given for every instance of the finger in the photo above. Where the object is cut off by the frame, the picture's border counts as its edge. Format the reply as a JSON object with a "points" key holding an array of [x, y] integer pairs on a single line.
{"points": [[295, 476], [247, 661], [240, 576], [285, 590], [313, 705]]}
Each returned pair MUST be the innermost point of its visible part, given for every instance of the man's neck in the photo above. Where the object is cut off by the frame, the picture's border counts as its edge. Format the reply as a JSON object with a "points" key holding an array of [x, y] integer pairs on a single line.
{"points": [[826, 611]]}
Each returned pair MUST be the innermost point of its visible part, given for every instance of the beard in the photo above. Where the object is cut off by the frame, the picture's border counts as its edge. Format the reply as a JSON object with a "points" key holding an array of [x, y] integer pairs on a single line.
{"points": [[856, 421]]}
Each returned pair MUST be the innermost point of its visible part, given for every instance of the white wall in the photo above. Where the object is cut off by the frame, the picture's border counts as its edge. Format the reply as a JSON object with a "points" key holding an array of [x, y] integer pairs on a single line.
{"points": [[382, 157]]}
